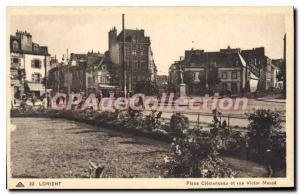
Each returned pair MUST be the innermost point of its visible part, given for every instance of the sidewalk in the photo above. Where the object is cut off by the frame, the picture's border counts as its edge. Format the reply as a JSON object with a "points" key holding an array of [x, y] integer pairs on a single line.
{"points": [[271, 100]]}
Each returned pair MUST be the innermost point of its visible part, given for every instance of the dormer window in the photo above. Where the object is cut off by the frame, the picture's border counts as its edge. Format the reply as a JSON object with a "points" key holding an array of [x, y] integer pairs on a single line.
{"points": [[35, 48]]}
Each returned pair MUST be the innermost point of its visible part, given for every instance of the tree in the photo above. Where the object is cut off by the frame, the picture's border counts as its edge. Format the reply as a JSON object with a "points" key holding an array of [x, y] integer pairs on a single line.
{"points": [[266, 140], [212, 77], [194, 153], [188, 77], [146, 87]]}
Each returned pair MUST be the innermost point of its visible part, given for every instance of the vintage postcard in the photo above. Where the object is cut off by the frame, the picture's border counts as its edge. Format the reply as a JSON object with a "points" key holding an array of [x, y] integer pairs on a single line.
{"points": [[150, 97]]}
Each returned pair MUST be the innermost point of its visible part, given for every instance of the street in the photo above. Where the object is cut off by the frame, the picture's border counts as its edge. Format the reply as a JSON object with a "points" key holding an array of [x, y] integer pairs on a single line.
{"points": [[237, 118]]}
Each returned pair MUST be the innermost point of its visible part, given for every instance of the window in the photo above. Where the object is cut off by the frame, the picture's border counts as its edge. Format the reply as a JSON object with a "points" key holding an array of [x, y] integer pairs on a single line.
{"points": [[127, 52], [135, 66], [89, 81], [144, 65], [15, 60], [236, 63], [35, 49], [224, 75], [15, 46], [134, 52], [234, 75], [234, 88], [134, 78], [36, 63], [36, 77], [138, 65]]}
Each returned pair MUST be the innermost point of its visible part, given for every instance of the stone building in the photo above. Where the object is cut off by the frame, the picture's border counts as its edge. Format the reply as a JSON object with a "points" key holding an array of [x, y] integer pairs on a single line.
{"points": [[29, 65], [260, 65], [100, 75], [57, 79], [228, 71], [162, 83], [89, 72], [139, 62], [276, 82]]}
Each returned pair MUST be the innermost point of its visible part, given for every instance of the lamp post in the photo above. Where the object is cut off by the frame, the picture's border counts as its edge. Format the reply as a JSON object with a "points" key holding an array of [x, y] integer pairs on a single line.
{"points": [[206, 76], [46, 76], [22, 82], [68, 66], [123, 55], [63, 60]]}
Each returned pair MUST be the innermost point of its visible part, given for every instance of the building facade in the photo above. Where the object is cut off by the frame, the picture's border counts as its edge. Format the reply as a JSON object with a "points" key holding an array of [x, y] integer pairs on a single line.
{"points": [[101, 76], [162, 83], [89, 72], [138, 57], [29, 65], [227, 71], [276, 82]]}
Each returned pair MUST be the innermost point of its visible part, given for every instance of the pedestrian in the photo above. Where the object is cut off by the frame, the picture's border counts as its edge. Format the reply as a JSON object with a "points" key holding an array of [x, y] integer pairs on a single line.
{"points": [[48, 100], [98, 97], [33, 100], [45, 104], [141, 102], [216, 121]]}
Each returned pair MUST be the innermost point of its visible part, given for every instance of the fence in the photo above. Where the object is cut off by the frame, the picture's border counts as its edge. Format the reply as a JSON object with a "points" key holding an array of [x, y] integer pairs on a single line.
{"points": [[237, 122]]}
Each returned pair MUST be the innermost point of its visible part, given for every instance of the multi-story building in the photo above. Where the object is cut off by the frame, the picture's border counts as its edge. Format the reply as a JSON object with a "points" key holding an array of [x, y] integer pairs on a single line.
{"points": [[276, 82], [174, 76], [100, 75], [57, 77], [29, 65], [260, 65], [228, 71], [83, 73], [138, 56], [162, 83]]}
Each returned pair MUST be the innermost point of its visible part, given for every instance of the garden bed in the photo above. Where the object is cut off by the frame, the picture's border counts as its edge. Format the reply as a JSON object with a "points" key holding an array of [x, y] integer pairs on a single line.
{"points": [[221, 140], [89, 120]]}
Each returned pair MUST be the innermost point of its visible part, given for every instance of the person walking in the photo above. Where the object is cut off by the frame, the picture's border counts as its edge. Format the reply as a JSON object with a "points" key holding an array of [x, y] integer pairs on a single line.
{"points": [[33, 100]]}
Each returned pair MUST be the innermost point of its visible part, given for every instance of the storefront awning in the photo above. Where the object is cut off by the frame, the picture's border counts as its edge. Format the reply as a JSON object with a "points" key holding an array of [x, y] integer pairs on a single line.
{"points": [[103, 86], [36, 86]]}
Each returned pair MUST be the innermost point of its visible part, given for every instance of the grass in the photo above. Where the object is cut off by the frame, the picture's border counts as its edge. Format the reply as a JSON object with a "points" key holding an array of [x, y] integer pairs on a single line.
{"points": [[57, 148]]}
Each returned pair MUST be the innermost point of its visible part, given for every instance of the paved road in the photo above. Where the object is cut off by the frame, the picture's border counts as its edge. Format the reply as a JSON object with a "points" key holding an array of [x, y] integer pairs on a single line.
{"points": [[57, 148], [238, 118]]}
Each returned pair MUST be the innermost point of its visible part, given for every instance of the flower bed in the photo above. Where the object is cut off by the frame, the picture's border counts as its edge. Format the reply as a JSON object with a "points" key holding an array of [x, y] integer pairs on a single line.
{"points": [[148, 126], [195, 153]]}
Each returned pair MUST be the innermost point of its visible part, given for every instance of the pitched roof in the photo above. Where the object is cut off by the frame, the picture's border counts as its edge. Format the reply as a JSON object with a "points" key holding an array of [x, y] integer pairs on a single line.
{"points": [[36, 48], [220, 59]]}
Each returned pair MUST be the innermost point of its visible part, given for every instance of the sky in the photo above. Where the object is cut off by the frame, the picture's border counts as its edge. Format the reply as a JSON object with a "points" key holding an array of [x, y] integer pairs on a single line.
{"points": [[171, 30]]}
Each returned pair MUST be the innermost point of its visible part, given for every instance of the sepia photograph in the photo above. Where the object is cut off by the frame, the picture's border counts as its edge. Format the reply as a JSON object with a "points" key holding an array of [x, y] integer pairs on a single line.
{"points": [[150, 97]]}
